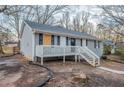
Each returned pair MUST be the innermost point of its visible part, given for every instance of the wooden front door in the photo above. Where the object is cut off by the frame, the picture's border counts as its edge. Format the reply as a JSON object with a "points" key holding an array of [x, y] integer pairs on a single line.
{"points": [[46, 39]]}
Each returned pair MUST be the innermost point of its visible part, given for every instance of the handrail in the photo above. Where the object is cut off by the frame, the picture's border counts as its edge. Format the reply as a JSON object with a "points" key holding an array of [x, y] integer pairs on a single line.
{"points": [[90, 56], [94, 55], [87, 52], [92, 52]]}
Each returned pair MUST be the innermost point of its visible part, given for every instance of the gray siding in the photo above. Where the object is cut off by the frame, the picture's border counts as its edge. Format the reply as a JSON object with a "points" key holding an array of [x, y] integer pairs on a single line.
{"points": [[27, 42], [98, 51], [78, 42], [62, 41]]}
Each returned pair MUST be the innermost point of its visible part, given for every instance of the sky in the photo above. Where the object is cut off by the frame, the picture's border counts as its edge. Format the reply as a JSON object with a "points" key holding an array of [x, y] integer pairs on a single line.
{"points": [[92, 9]]}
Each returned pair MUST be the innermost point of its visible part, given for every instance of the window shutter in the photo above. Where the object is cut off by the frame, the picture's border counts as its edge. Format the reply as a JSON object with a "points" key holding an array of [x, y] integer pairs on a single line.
{"points": [[98, 44], [52, 40], [81, 42], [86, 42], [95, 44], [58, 40], [67, 41]]}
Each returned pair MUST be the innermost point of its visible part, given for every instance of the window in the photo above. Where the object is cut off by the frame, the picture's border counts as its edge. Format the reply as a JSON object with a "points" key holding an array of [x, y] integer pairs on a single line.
{"points": [[98, 44], [58, 40], [67, 41], [55, 40], [95, 45], [81, 42], [40, 39], [73, 41], [86, 42]]}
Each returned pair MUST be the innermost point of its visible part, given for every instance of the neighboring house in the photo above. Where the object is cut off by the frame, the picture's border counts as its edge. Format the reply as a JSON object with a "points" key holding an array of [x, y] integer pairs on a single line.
{"points": [[110, 43], [11, 44], [41, 40]]}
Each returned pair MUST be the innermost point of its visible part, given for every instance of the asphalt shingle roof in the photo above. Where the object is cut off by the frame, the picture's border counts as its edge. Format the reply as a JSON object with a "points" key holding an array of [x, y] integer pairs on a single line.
{"points": [[58, 30]]}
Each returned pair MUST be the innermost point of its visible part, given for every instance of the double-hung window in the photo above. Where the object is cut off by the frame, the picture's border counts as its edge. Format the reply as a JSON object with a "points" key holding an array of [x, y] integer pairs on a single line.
{"points": [[55, 40], [40, 39], [95, 44]]}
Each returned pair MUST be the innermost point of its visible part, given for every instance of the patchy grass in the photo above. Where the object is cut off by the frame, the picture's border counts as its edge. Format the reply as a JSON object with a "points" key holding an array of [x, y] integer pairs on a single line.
{"points": [[120, 53]]}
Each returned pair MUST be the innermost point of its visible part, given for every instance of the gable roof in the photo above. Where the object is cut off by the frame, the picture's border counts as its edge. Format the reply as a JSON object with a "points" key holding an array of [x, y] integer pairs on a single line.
{"points": [[58, 30]]}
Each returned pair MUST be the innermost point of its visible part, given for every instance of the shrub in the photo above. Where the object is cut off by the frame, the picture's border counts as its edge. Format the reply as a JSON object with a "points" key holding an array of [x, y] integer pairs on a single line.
{"points": [[107, 49], [120, 52]]}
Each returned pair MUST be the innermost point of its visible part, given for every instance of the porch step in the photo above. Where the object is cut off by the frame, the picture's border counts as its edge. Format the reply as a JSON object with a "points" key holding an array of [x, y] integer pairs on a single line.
{"points": [[90, 57]]}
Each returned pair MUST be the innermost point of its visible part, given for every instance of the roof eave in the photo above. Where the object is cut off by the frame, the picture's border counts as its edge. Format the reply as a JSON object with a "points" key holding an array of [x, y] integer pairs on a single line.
{"points": [[62, 34]]}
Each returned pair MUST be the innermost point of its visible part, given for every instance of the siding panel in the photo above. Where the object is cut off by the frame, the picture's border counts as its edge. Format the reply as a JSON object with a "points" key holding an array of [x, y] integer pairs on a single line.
{"points": [[26, 42]]}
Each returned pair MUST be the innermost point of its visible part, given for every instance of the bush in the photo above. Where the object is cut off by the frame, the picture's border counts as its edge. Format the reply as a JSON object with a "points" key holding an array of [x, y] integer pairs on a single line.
{"points": [[120, 52], [107, 49], [104, 57]]}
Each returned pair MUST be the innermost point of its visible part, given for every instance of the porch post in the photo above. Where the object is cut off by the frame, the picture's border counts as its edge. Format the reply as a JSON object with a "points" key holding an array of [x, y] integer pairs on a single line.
{"points": [[64, 55], [42, 60], [79, 58], [76, 58], [42, 56]]}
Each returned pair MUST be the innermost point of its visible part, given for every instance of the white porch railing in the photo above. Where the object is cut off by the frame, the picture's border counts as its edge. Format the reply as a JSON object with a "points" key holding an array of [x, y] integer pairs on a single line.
{"points": [[54, 50]]}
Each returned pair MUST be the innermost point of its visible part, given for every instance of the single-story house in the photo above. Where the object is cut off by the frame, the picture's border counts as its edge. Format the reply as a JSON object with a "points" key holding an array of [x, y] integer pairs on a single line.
{"points": [[41, 40], [108, 42], [11, 44]]}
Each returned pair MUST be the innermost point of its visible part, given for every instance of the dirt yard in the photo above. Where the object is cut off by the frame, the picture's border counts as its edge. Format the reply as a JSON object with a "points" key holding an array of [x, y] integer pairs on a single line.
{"points": [[15, 71], [95, 77]]}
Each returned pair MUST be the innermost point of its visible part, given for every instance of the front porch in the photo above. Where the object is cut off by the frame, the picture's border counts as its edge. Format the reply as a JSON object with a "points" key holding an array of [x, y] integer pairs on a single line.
{"points": [[78, 52], [56, 51]]}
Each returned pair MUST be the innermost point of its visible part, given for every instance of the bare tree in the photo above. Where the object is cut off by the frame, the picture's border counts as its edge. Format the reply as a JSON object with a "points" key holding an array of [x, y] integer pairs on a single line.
{"points": [[43, 14], [4, 37], [80, 22], [65, 20], [15, 15], [84, 18], [114, 15], [3, 8], [76, 22]]}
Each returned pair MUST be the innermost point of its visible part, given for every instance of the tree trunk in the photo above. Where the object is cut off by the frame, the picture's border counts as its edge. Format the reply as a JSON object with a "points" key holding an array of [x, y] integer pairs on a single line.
{"points": [[18, 44], [1, 49]]}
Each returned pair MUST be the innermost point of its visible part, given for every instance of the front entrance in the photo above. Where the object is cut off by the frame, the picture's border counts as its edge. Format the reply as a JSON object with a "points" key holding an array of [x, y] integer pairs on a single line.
{"points": [[72, 41]]}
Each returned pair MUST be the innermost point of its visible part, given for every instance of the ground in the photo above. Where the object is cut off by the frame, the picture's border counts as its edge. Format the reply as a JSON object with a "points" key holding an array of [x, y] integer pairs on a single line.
{"points": [[96, 77], [19, 73], [14, 71]]}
